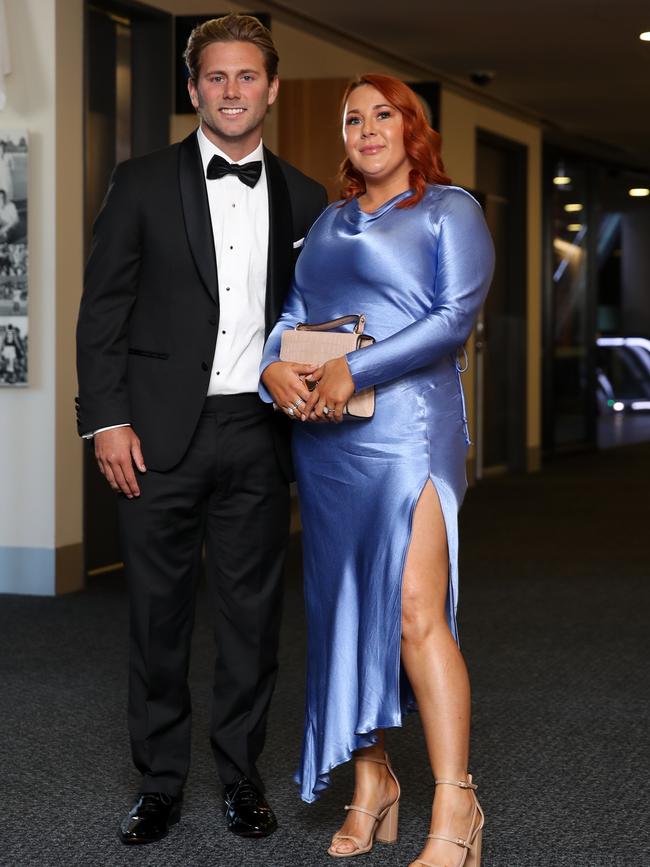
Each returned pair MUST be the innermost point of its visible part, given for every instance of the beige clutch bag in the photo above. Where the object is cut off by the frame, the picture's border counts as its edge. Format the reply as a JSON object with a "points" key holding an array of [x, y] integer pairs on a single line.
{"points": [[316, 344]]}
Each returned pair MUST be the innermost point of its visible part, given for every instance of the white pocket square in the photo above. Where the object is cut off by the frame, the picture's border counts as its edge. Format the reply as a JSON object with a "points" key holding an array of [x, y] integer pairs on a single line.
{"points": [[297, 244]]}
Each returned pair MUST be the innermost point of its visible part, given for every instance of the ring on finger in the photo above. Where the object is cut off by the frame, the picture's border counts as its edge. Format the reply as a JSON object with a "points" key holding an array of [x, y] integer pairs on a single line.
{"points": [[298, 403], [290, 410]]}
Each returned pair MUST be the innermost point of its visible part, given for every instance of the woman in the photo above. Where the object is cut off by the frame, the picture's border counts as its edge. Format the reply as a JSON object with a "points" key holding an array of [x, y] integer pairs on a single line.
{"points": [[379, 498]]}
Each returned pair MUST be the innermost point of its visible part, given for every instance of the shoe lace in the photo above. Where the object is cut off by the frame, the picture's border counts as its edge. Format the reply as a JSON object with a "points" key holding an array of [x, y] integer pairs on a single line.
{"points": [[244, 792], [150, 801]]}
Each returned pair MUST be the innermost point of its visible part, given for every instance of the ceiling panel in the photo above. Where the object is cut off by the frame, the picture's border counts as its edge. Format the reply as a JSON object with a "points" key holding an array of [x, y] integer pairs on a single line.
{"points": [[578, 63]]}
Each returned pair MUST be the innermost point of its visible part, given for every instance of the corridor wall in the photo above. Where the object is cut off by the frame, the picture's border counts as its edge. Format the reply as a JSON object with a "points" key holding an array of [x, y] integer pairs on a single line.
{"points": [[40, 455], [461, 118], [41, 509]]}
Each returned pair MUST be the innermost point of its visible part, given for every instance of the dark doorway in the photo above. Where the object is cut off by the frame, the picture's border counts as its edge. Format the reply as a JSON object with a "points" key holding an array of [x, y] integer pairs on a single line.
{"points": [[128, 97], [501, 175]]}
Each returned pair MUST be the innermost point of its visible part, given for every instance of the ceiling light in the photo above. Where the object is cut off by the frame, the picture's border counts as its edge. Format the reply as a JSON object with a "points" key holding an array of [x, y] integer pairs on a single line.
{"points": [[570, 208], [638, 192], [645, 36], [574, 227], [561, 180]]}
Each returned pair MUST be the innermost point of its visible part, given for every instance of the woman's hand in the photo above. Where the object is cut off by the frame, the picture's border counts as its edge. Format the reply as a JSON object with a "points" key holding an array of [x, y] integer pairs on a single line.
{"points": [[285, 382], [335, 388]]}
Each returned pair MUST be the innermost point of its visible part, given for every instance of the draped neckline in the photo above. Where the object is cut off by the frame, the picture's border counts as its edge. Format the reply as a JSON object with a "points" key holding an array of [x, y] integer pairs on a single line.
{"points": [[360, 218]]}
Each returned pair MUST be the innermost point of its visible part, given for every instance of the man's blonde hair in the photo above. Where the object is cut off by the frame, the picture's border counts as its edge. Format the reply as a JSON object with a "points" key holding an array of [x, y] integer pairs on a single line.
{"points": [[230, 28]]}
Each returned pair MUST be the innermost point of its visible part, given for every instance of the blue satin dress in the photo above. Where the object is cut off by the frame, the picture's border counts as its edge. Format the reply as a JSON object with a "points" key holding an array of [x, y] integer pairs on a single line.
{"points": [[420, 275]]}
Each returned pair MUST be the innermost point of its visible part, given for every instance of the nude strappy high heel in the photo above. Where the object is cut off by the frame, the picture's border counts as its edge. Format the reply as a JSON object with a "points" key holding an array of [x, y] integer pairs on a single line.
{"points": [[471, 845], [385, 828]]}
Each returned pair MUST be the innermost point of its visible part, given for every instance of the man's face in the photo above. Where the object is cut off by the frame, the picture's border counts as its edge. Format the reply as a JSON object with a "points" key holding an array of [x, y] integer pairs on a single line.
{"points": [[232, 95]]}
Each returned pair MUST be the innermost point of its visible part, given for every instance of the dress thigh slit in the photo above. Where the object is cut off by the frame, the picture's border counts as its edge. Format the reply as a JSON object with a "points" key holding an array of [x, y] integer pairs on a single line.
{"points": [[405, 689]]}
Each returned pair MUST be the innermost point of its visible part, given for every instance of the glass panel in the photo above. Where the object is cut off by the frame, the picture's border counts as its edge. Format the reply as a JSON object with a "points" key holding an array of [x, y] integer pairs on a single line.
{"points": [[569, 292]]}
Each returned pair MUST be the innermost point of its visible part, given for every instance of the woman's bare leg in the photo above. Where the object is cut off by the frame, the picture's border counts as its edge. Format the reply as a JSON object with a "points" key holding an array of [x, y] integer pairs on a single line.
{"points": [[437, 673]]}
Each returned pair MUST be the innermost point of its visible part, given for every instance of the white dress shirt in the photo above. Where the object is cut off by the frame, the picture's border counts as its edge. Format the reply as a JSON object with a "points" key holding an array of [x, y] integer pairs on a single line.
{"points": [[240, 228]]}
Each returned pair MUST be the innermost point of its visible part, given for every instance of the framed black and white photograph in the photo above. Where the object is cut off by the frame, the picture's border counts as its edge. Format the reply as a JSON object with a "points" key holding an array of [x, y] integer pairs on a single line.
{"points": [[14, 291], [13, 350]]}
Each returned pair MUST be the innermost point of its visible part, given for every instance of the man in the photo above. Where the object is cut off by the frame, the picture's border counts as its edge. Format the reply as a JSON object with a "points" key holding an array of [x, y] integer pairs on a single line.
{"points": [[192, 255]]}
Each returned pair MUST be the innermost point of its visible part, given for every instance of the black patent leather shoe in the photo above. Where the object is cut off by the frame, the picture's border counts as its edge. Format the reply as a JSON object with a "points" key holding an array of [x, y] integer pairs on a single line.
{"points": [[247, 812], [150, 818]]}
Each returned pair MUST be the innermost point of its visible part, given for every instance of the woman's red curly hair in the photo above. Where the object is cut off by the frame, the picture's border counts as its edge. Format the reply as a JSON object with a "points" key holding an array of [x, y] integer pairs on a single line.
{"points": [[422, 144]]}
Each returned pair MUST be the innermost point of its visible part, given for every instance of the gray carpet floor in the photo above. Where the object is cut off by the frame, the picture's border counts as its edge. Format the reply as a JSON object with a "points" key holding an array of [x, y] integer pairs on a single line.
{"points": [[554, 621]]}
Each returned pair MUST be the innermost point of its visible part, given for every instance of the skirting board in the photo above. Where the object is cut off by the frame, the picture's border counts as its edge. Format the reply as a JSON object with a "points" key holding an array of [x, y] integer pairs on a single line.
{"points": [[40, 571], [533, 464], [69, 569], [29, 571]]}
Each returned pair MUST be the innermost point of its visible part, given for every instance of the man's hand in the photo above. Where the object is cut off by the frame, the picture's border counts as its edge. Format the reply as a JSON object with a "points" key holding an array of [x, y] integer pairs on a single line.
{"points": [[117, 450], [285, 382]]}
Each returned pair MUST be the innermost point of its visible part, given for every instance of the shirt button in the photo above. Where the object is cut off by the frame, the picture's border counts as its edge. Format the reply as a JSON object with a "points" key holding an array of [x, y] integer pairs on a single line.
{"points": [[227, 288], [231, 247], [223, 332], [234, 205], [204, 365], [218, 372]]}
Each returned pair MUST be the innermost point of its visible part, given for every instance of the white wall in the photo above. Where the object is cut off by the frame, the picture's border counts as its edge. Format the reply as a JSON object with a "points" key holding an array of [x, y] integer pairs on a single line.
{"points": [[27, 415], [34, 444]]}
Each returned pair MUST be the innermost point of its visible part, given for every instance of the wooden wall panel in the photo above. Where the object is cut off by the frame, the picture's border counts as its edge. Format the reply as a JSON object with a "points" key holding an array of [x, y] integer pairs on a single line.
{"points": [[309, 135]]}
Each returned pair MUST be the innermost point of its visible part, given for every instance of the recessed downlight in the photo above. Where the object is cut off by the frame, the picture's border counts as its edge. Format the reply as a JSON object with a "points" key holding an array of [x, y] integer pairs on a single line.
{"points": [[572, 207], [574, 227], [645, 36], [561, 180], [638, 192]]}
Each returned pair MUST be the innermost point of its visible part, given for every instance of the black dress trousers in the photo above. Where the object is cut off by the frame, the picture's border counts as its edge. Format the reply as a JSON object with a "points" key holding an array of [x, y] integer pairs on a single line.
{"points": [[230, 493]]}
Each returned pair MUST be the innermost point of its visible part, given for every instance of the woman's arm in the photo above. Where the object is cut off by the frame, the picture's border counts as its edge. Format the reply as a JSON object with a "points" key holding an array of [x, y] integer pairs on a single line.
{"points": [[284, 382], [464, 271]]}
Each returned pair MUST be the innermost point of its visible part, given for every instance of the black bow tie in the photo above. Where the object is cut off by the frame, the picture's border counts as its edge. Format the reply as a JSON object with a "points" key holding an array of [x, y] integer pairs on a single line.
{"points": [[248, 174]]}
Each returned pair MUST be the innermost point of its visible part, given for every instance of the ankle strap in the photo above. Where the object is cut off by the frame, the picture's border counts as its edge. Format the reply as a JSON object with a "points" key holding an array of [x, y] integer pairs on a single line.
{"points": [[363, 810], [462, 784], [457, 840]]}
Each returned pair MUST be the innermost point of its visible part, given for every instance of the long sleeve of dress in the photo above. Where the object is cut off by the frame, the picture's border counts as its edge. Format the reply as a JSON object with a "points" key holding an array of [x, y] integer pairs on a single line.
{"points": [[463, 275], [293, 312]]}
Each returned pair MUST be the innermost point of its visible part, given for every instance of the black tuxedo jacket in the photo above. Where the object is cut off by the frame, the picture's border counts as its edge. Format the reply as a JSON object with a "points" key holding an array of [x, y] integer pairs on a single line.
{"points": [[149, 315]]}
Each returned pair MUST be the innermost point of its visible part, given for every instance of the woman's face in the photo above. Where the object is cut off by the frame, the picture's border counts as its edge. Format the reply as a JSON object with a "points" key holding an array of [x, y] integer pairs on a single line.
{"points": [[373, 134]]}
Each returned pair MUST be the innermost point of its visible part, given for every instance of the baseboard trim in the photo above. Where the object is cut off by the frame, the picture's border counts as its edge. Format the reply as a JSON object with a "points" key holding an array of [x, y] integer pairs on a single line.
{"points": [[533, 459], [69, 569], [27, 571]]}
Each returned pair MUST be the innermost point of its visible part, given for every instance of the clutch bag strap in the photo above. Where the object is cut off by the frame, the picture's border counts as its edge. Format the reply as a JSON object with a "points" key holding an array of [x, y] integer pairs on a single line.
{"points": [[358, 318]]}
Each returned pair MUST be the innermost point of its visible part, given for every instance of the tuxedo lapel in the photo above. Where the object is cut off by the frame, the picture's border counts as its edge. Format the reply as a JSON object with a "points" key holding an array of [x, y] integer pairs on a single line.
{"points": [[196, 211], [279, 266]]}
